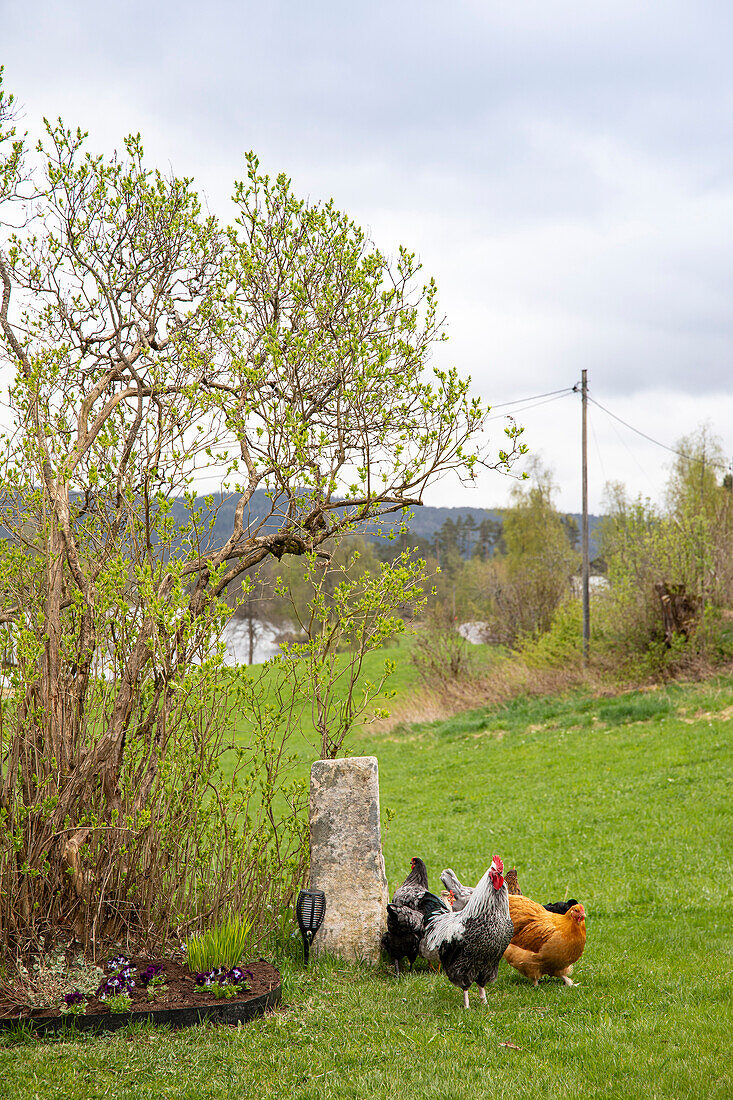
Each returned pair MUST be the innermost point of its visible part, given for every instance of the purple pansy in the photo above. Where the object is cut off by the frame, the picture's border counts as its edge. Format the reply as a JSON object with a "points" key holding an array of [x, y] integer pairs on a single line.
{"points": [[152, 971], [238, 976], [222, 976], [119, 962], [120, 982]]}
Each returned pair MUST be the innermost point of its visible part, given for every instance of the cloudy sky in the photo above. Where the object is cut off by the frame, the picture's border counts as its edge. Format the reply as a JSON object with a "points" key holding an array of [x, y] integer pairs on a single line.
{"points": [[564, 170]]}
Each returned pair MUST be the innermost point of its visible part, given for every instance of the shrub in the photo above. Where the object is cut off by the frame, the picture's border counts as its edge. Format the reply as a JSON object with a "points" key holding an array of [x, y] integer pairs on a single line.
{"points": [[440, 654], [561, 645]]}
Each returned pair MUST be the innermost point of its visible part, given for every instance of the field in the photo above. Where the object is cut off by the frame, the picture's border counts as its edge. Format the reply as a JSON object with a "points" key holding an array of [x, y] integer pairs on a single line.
{"points": [[624, 802]]}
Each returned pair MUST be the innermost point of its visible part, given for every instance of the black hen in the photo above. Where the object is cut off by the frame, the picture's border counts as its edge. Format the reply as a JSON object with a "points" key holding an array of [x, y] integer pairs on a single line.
{"points": [[560, 906], [405, 924]]}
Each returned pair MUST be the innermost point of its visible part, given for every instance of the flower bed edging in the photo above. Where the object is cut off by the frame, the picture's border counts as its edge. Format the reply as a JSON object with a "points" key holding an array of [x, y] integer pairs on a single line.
{"points": [[223, 1012]]}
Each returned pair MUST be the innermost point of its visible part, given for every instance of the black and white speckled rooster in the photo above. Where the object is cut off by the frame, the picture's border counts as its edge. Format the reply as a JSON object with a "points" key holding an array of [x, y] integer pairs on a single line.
{"points": [[405, 922], [470, 943]]}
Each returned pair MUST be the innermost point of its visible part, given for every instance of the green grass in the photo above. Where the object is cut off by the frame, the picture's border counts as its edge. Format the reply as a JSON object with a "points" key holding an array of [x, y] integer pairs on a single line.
{"points": [[624, 802], [305, 743]]}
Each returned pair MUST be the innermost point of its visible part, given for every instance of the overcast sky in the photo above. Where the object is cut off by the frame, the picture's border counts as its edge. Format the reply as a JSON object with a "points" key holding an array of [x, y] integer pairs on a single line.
{"points": [[564, 171]]}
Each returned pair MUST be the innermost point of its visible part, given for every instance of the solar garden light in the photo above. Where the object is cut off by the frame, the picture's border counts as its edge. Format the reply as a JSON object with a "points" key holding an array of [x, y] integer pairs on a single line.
{"points": [[310, 910]]}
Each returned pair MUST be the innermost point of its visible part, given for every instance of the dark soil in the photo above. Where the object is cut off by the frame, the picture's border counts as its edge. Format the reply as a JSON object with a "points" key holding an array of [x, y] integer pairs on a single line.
{"points": [[180, 992]]}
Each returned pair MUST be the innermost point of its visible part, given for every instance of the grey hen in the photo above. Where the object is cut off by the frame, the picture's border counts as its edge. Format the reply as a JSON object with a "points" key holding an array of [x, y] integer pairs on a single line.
{"points": [[405, 923], [471, 942], [461, 893]]}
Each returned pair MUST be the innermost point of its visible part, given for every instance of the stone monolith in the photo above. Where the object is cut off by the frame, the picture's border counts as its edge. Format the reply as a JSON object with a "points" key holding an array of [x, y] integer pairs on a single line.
{"points": [[346, 856]]}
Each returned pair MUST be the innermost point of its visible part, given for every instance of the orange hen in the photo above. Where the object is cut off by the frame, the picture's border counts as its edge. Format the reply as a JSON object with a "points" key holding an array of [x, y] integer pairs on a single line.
{"points": [[544, 943], [512, 882]]}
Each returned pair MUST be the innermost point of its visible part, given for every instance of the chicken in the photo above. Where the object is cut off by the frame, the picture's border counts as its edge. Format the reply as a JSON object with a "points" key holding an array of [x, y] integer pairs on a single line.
{"points": [[460, 893], [560, 906], [405, 928], [414, 886], [463, 893], [405, 922], [471, 942], [544, 942], [512, 882]]}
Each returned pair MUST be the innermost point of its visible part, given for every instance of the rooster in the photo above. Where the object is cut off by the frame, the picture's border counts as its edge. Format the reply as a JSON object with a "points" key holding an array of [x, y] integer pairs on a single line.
{"points": [[545, 942], [405, 923], [470, 943]]}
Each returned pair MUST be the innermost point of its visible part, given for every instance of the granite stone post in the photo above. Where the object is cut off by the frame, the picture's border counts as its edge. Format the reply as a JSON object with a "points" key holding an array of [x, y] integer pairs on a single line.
{"points": [[346, 857]]}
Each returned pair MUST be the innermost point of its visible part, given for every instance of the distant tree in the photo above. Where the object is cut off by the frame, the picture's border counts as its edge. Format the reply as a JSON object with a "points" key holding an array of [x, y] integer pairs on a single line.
{"points": [[490, 538], [469, 535], [572, 531], [536, 569], [696, 476], [257, 607]]}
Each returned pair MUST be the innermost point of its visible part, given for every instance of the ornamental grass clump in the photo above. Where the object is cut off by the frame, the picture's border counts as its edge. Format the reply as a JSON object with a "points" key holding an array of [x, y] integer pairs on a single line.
{"points": [[218, 948]]}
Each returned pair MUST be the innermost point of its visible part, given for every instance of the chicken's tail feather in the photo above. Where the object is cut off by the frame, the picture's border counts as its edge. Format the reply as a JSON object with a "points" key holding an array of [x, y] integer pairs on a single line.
{"points": [[431, 906], [450, 879]]}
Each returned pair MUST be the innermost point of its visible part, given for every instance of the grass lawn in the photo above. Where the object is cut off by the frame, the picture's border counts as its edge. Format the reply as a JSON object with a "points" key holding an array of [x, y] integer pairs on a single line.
{"points": [[624, 803], [399, 686]]}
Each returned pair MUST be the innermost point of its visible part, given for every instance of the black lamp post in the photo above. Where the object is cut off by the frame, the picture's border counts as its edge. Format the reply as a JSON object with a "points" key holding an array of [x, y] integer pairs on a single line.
{"points": [[310, 910]]}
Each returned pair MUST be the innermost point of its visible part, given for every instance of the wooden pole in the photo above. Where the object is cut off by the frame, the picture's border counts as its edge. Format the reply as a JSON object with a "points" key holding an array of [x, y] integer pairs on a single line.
{"points": [[584, 531]]}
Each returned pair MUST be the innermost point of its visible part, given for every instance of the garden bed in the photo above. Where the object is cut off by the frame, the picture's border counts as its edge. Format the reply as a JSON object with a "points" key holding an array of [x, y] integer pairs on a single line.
{"points": [[180, 1003]]}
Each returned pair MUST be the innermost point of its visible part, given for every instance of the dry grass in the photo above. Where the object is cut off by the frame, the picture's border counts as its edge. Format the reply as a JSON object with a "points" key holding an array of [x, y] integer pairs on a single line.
{"points": [[492, 684], [426, 706]]}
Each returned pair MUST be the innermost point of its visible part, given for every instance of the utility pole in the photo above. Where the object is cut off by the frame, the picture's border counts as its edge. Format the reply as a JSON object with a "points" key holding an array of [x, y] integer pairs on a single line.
{"points": [[584, 529]]}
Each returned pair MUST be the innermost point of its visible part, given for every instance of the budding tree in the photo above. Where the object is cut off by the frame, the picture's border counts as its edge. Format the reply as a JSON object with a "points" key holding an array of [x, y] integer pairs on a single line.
{"points": [[151, 346]]}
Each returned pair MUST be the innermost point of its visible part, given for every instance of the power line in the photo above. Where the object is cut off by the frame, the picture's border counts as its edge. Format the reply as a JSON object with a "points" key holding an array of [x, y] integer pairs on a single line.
{"points": [[656, 442], [548, 401], [536, 397]]}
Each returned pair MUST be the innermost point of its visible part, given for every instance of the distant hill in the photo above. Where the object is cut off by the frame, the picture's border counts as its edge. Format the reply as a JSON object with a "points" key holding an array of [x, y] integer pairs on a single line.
{"points": [[426, 521]]}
